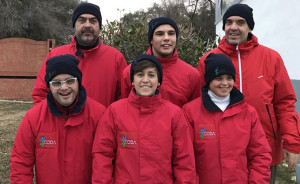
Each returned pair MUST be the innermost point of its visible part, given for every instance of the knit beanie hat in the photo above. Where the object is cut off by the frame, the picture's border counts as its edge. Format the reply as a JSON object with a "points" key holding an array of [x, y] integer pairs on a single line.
{"points": [[241, 10], [217, 65], [154, 23], [150, 58], [63, 64], [87, 8]]}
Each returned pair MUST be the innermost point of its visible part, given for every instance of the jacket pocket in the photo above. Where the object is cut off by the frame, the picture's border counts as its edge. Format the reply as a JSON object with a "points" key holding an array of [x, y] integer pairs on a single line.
{"points": [[271, 122]]}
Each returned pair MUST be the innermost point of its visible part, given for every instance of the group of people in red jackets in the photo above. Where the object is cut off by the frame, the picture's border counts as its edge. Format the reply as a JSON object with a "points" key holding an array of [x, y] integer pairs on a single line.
{"points": [[158, 120]]}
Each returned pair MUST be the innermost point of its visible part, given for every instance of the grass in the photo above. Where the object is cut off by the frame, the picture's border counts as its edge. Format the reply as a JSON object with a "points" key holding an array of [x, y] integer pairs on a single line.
{"points": [[11, 115]]}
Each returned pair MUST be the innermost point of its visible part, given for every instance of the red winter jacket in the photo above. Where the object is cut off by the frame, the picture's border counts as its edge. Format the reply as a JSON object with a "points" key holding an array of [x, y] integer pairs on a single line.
{"points": [[101, 69], [267, 87], [230, 146], [143, 140], [180, 82], [59, 147]]}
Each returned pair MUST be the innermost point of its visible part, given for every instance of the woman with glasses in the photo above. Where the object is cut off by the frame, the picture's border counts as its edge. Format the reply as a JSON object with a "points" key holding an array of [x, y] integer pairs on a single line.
{"points": [[56, 135]]}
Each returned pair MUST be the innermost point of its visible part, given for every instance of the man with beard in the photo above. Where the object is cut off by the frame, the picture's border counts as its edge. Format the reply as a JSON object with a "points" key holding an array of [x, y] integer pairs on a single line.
{"points": [[100, 64]]}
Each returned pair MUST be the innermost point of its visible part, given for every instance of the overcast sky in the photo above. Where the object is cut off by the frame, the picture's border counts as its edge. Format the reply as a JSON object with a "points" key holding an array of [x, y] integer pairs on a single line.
{"points": [[111, 9]]}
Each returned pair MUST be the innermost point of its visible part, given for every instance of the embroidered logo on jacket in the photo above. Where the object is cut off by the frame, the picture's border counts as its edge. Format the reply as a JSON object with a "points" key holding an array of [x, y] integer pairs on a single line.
{"points": [[128, 139], [207, 131], [47, 140]]}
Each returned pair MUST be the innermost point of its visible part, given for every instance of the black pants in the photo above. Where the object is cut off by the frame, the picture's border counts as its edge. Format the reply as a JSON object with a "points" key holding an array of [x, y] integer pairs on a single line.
{"points": [[273, 174]]}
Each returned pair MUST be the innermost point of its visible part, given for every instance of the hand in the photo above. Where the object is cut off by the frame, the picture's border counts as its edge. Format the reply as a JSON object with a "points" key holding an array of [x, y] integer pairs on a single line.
{"points": [[292, 158]]}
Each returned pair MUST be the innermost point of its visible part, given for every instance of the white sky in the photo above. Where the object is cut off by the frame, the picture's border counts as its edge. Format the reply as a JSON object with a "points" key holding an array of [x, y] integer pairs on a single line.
{"points": [[109, 8]]}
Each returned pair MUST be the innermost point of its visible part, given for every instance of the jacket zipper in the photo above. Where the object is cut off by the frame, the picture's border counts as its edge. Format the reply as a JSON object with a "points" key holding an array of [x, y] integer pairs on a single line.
{"points": [[267, 107], [240, 68]]}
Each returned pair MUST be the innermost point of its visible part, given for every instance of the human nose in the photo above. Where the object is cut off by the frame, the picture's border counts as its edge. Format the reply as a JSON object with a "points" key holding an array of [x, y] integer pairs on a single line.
{"points": [[64, 85], [166, 36], [145, 79], [87, 23], [234, 26]]}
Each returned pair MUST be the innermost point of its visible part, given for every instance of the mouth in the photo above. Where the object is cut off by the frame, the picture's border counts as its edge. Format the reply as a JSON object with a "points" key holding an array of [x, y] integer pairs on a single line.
{"points": [[145, 87], [65, 95], [166, 45]]}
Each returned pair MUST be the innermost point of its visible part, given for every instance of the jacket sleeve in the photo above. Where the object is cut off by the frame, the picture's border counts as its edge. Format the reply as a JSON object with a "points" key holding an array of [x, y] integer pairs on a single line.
{"points": [[183, 152], [23, 154], [284, 100], [201, 70], [258, 153], [40, 89], [121, 66], [126, 85], [104, 149], [196, 86]]}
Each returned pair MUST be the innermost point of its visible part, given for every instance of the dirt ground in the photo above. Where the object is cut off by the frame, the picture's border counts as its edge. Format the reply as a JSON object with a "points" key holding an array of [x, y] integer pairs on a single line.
{"points": [[11, 115]]}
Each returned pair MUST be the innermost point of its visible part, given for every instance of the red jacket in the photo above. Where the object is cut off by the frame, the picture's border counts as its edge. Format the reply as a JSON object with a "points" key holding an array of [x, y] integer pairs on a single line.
{"points": [[262, 77], [230, 146], [180, 82], [59, 147], [101, 69], [143, 140]]}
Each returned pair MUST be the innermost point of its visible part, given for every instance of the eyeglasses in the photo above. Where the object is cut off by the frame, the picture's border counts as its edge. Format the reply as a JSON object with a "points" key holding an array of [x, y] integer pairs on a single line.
{"points": [[57, 84]]}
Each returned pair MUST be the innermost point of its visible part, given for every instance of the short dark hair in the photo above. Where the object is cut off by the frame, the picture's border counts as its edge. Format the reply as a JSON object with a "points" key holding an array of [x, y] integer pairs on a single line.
{"points": [[142, 65]]}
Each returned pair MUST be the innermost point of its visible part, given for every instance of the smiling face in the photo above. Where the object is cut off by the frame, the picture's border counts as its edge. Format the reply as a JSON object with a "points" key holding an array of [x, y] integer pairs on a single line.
{"points": [[222, 85], [87, 29], [66, 95], [236, 30], [163, 41], [146, 82]]}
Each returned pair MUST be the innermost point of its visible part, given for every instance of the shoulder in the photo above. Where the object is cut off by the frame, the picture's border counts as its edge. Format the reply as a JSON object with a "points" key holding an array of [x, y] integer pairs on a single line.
{"points": [[170, 106], [93, 104], [193, 105], [110, 49]]}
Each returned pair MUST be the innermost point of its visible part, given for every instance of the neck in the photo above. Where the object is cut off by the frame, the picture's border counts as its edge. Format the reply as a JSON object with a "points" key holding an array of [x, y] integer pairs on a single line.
{"points": [[221, 102]]}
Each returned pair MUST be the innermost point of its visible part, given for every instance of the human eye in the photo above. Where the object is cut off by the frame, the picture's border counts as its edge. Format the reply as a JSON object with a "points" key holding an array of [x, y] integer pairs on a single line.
{"points": [[228, 22], [81, 20], [55, 83], [172, 33], [140, 74], [218, 78], [93, 20], [241, 22], [229, 77], [71, 81], [159, 33]]}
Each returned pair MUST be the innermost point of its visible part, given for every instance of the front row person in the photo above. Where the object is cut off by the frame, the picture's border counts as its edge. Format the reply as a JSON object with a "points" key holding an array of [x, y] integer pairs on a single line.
{"points": [[229, 141], [56, 136], [143, 138]]}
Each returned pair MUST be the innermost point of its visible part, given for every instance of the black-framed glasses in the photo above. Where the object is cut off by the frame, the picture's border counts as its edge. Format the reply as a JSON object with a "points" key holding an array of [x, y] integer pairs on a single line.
{"points": [[56, 84]]}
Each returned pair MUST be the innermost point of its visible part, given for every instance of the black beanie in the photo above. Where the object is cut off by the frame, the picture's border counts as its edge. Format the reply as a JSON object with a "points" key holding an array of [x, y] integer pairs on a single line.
{"points": [[87, 8], [150, 58], [217, 65], [63, 64], [241, 10], [154, 23]]}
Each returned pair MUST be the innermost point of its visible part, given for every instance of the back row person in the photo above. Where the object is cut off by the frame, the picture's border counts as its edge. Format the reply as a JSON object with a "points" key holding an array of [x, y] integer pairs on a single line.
{"points": [[264, 81], [100, 64], [181, 83]]}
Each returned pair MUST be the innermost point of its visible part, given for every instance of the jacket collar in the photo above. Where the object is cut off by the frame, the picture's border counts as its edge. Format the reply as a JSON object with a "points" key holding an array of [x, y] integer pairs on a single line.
{"points": [[231, 48], [80, 50], [146, 104], [165, 61], [57, 111], [235, 97]]}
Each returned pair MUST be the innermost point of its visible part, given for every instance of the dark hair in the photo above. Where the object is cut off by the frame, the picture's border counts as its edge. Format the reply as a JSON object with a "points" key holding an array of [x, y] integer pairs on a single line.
{"points": [[142, 65]]}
